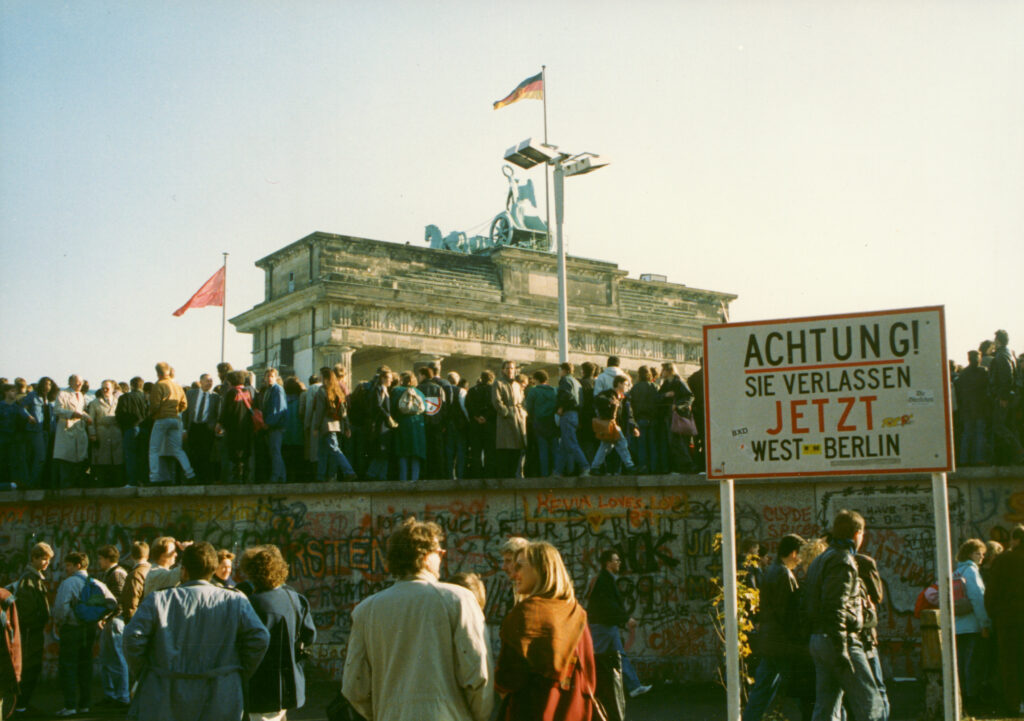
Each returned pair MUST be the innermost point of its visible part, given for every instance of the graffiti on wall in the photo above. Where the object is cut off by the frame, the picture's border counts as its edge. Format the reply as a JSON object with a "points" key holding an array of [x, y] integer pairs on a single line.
{"points": [[336, 546]]}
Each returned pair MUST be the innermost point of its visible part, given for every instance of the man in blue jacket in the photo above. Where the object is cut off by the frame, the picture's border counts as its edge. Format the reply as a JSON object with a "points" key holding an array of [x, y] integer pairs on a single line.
{"points": [[275, 415]]}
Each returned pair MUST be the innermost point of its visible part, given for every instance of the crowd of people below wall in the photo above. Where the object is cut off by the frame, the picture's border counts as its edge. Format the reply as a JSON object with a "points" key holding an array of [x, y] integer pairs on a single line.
{"points": [[414, 424], [184, 636]]}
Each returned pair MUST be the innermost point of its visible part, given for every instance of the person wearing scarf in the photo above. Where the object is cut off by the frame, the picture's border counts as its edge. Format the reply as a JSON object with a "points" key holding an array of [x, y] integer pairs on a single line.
{"points": [[545, 671]]}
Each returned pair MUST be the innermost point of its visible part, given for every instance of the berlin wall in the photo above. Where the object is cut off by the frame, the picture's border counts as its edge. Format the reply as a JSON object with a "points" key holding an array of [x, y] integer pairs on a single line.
{"points": [[663, 527]]}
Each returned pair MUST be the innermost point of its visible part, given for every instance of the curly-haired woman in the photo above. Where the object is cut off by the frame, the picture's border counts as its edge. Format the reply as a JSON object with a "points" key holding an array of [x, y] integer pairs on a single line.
{"points": [[279, 683]]}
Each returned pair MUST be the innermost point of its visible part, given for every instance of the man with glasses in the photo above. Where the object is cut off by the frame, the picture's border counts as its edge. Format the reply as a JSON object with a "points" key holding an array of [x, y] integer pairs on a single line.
{"points": [[419, 648]]}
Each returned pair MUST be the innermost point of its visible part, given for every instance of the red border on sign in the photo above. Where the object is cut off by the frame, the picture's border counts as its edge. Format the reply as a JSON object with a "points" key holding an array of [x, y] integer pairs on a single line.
{"points": [[947, 467]]}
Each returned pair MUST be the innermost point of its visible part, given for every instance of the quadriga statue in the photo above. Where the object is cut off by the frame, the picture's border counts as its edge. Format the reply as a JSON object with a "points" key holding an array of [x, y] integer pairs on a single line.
{"points": [[519, 224]]}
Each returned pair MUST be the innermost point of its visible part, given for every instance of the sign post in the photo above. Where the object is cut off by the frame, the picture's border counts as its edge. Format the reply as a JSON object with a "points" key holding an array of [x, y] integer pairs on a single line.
{"points": [[851, 394]]}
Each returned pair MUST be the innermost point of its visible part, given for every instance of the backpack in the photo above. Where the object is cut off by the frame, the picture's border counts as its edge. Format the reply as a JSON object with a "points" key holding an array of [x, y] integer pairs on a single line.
{"points": [[929, 598], [92, 604], [411, 403], [434, 395]]}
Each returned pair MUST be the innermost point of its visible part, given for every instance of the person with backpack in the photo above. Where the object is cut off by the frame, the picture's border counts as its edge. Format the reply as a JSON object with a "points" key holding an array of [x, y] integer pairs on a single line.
{"points": [[330, 418], [409, 407], [236, 425], [75, 616], [436, 416], [971, 627]]}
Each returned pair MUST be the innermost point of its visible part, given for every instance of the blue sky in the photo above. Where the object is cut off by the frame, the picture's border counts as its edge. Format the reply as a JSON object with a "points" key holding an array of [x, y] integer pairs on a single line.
{"points": [[810, 157]]}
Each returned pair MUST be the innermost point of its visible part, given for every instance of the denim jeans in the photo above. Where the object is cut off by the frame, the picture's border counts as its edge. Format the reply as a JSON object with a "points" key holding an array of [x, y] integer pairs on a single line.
{"points": [[835, 677], [966, 646], [167, 436], [330, 459], [74, 664], [608, 638], [546, 460], [408, 468], [973, 442], [275, 438], [569, 453], [454, 452], [113, 668], [621, 447], [37, 458], [770, 678], [875, 661]]}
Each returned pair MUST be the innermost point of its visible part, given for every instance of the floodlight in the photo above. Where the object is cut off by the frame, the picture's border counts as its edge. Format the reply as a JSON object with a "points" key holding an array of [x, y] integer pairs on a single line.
{"points": [[583, 163], [529, 153]]}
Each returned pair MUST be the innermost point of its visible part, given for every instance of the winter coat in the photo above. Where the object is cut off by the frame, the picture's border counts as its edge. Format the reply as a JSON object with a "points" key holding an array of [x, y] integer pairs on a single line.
{"points": [[510, 428], [978, 619], [279, 682], [71, 441], [191, 647], [605, 606], [106, 432], [418, 650]]}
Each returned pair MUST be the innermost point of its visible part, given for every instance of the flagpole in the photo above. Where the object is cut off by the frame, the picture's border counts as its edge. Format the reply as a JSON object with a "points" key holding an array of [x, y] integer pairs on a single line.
{"points": [[224, 309], [547, 193]]}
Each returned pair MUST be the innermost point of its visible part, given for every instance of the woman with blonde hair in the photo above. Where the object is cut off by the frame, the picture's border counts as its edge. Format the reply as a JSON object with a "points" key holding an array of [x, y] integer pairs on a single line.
{"points": [[974, 625], [545, 671]]}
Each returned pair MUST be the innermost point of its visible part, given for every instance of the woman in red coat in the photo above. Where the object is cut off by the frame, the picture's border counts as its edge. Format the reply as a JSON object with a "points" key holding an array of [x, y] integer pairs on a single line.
{"points": [[546, 669]]}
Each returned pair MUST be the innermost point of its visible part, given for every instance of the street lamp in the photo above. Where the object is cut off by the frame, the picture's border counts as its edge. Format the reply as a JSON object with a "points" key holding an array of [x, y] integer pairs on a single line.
{"points": [[528, 154]]}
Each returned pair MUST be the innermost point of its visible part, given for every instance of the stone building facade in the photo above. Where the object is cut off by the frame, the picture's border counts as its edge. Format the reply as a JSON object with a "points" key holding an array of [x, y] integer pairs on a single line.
{"points": [[365, 303]]}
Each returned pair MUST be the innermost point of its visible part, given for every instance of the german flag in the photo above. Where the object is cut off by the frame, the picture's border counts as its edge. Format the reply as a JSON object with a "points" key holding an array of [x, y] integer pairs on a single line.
{"points": [[529, 88]]}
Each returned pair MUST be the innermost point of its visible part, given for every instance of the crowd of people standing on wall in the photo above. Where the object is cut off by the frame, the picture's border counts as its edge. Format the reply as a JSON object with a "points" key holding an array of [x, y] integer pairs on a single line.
{"points": [[395, 426], [414, 424], [988, 405]]}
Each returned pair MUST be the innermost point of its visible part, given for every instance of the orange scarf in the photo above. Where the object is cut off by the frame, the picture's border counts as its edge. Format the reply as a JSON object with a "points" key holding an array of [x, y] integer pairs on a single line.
{"points": [[546, 632]]}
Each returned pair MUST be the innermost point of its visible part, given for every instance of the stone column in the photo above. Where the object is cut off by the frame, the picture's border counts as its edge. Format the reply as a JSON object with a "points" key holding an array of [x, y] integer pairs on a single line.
{"points": [[331, 355]]}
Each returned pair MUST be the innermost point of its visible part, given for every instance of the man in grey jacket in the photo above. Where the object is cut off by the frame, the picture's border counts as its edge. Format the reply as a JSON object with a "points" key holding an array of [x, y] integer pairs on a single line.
{"points": [[193, 645]]}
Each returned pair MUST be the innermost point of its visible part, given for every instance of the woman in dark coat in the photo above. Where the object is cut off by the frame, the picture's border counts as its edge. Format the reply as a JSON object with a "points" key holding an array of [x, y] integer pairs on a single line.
{"points": [[279, 683]]}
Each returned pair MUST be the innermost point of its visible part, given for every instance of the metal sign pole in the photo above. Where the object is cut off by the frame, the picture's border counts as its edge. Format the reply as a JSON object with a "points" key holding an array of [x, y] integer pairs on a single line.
{"points": [[950, 682], [732, 631]]}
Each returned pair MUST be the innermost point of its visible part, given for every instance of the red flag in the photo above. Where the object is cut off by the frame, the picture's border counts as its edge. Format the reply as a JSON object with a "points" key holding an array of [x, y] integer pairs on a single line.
{"points": [[212, 293]]}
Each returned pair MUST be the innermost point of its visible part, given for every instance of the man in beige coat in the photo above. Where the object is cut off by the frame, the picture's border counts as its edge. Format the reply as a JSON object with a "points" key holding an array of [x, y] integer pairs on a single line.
{"points": [[510, 426], [71, 441], [418, 650]]}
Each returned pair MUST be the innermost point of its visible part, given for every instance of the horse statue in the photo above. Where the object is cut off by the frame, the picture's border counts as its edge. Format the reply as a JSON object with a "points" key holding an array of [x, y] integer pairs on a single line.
{"points": [[456, 241]]}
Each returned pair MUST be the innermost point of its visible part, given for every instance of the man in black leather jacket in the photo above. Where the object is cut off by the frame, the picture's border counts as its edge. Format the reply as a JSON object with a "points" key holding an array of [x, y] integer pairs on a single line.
{"points": [[834, 614]]}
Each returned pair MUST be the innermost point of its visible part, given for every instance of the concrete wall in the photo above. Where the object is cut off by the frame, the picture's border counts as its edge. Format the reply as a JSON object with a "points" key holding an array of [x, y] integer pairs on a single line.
{"points": [[662, 526]]}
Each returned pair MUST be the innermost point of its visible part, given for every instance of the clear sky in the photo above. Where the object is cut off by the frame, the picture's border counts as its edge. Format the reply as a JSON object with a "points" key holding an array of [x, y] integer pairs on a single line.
{"points": [[811, 157]]}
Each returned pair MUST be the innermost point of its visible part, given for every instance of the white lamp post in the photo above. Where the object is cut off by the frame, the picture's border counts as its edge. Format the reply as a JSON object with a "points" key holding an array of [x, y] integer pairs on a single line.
{"points": [[528, 154]]}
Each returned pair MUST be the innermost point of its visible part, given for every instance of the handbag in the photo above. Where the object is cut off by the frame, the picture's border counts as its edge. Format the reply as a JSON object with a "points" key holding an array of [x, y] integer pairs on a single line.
{"points": [[301, 652], [682, 423], [607, 431], [341, 710]]}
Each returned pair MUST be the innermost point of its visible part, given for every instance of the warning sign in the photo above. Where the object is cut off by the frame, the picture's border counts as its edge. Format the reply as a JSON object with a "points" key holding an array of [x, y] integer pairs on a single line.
{"points": [[832, 395]]}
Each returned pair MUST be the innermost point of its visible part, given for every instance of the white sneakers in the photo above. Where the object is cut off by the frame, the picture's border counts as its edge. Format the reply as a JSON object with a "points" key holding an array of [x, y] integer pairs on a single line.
{"points": [[639, 691]]}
